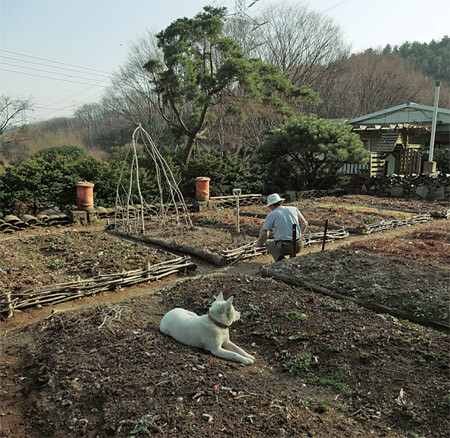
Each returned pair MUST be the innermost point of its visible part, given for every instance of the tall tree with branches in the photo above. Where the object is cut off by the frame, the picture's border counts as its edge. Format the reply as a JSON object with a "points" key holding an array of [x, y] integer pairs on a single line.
{"points": [[10, 110], [201, 68], [304, 43]]}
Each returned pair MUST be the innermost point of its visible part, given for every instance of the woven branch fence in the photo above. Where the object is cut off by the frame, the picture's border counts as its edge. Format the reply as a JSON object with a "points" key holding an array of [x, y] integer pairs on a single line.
{"points": [[60, 293], [389, 224]]}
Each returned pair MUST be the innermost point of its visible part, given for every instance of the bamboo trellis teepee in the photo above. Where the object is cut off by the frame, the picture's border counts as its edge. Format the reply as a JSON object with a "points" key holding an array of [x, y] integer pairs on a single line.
{"points": [[131, 207]]}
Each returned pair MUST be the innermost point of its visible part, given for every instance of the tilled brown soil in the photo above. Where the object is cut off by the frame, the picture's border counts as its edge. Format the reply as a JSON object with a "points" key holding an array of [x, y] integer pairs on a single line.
{"points": [[323, 368], [397, 203], [408, 272], [34, 260], [210, 237], [352, 216], [352, 211]]}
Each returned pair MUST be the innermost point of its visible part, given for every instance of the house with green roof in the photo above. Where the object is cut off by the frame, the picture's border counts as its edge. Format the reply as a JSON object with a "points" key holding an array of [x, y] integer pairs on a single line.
{"points": [[399, 137]]}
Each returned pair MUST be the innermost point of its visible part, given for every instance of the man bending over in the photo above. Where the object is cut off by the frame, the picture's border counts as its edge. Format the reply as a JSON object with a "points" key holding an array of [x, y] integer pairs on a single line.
{"points": [[281, 220]]}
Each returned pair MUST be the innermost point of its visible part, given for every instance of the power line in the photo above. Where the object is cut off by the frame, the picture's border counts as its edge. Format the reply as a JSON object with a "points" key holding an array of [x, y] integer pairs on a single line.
{"points": [[55, 79], [107, 75], [77, 94], [56, 62], [42, 108], [46, 71], [91, 85], [68, 106], [335, 6], [53, 66]]}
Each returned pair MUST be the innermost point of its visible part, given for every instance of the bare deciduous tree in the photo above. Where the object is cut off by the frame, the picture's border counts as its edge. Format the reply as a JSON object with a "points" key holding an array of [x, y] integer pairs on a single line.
{"points": [[246, 136], [88, 119], [11, 109], [299, 41], [373, 81], [304, 44], [131, 96]]}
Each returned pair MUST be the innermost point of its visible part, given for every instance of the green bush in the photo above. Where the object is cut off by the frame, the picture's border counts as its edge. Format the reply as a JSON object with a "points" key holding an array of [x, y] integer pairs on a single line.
{"points": [[49, 178], [307, 153], [226, 172], [108, 139]]}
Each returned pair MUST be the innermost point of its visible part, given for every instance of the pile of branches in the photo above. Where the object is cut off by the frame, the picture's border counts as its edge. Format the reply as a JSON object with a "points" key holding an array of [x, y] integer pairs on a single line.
{"points": [[248, 251], [389, 224], [133, 216], [243, 252], [60, 293], [312, 238]]}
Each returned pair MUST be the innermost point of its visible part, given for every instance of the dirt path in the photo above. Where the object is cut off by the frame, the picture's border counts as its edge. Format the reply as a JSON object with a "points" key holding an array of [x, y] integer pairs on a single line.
{"points": [[248, 267]]}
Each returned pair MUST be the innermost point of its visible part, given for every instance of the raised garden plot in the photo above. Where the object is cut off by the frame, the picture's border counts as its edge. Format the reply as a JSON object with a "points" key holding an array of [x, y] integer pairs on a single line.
{"points": [[323, 368], [347, 211], [213, 241], [354, 217], [32, 266], [211, 235], [412, 205], [213, 244], [407, 273]]}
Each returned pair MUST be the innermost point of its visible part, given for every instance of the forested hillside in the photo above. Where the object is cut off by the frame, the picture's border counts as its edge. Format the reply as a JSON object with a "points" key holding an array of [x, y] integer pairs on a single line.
{"points": [[432, 59]]}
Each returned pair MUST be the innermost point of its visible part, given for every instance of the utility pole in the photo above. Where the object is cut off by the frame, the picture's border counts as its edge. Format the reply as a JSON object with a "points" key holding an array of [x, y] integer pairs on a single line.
{"points": [[430, 165], [433, 123]]}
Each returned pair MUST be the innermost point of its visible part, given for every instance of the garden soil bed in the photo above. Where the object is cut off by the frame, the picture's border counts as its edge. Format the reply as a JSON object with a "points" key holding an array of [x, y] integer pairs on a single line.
{"points": [[213, 239], [386, 203], [408, 272], [323, 368], [45, 258], [350, 211], [352, 216]]}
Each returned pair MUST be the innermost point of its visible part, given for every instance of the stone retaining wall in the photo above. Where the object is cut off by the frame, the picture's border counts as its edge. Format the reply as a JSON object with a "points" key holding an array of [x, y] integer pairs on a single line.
{"points": [[426, 187]]}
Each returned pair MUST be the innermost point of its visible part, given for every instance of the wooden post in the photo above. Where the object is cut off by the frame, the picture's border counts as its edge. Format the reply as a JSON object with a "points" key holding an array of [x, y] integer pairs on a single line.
{"points": [[10, 307], [325, 234], [294, 240]]}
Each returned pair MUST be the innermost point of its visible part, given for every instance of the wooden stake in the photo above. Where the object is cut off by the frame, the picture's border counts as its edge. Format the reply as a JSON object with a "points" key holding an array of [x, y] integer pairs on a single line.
{"points": [[10, 307], [294, 240], [325, 234]]}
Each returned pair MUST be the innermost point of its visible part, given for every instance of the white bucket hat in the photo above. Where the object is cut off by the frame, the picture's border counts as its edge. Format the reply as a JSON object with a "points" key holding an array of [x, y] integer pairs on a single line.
{"points": [[274, 198]]}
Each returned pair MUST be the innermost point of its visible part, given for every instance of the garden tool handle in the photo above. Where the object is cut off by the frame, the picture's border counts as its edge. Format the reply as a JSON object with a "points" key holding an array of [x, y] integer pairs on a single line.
{"points": [[237, 214]]}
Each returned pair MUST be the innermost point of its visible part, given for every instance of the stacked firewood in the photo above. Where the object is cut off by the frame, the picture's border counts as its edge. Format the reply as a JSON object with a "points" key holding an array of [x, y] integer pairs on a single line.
{"points": [[60, 293]]}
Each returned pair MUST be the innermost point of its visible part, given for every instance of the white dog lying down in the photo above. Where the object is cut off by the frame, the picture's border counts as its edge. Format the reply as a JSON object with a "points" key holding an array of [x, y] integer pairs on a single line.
{"points": [[209, 332]]}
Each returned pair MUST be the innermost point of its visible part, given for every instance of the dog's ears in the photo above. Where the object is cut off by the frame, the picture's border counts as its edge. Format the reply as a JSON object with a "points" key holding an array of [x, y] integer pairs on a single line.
{"points": [[219, 297], [230, 301]]}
